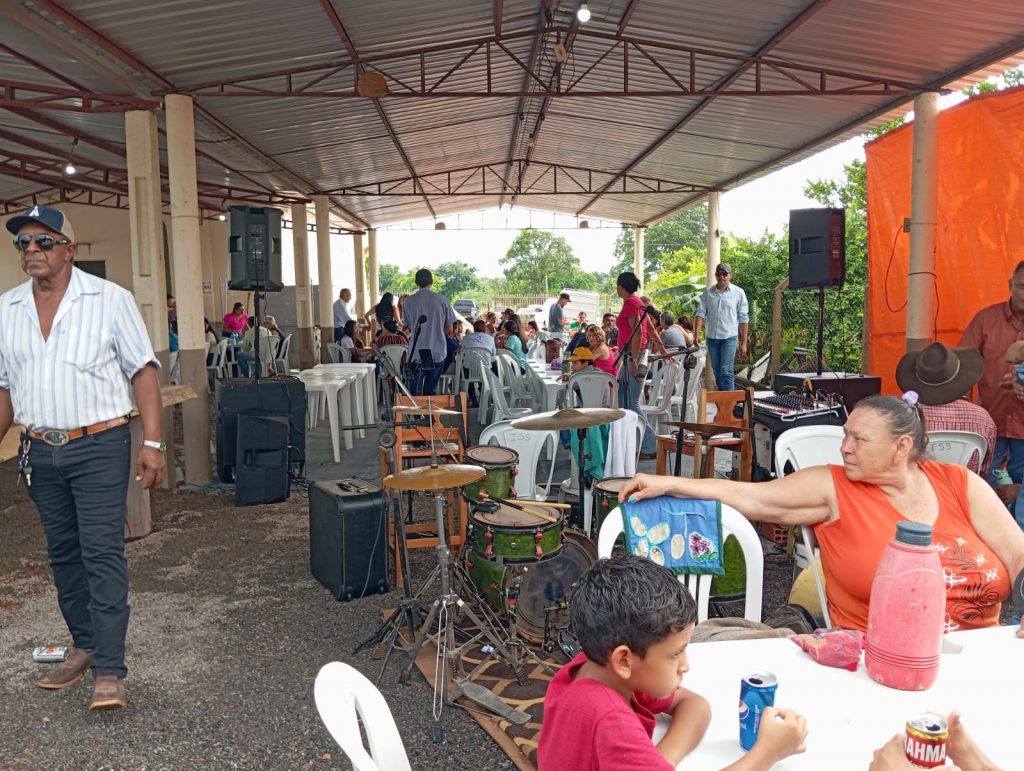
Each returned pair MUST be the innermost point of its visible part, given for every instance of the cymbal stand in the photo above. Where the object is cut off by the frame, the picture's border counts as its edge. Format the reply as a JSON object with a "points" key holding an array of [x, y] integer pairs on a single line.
{"points": [[689, 362], [450, 666]]}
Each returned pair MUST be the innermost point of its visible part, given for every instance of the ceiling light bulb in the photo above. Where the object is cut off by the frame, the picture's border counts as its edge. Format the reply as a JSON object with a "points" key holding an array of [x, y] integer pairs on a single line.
{"points": [[222, 216], [583, 13], [70, 169]]}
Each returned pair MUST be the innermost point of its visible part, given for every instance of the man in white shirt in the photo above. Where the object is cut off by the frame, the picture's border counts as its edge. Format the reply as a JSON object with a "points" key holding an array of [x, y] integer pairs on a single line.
{"points": [[341, 312], [724, 308], [73, 353], [479, 338]]}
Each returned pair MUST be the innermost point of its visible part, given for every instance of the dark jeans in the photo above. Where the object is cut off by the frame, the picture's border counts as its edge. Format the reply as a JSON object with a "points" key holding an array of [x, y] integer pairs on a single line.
{"points": [[80, 491], [424, 381]]}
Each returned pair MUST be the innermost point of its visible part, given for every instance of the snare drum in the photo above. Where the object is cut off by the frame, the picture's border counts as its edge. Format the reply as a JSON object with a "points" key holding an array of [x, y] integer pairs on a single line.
{"points": [[499, 463], [511, 535], [606, 498], [543, 587]]}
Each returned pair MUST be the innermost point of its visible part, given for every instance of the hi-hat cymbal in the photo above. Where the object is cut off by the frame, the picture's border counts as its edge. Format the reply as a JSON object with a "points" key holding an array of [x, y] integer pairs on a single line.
{"points": [[429, 409], [583, 417], [435, 477]]}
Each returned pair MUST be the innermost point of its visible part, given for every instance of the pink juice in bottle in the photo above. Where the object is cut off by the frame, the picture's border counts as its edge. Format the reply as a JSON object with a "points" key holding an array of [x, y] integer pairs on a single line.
{"points": [[906, 612]]}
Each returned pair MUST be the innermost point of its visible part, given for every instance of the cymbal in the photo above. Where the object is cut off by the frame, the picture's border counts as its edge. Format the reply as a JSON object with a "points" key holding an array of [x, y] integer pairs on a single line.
{"points": [[435, 477], [583, 417], [429, 409]]}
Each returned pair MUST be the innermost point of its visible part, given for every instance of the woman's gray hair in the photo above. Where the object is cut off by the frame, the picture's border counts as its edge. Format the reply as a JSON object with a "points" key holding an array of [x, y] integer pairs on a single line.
{"points": [[903, 418]]}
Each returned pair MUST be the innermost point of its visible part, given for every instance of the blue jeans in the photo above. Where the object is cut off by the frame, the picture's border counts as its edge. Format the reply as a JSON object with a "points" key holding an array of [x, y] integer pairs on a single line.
{"points": [[1012, 451], [80, 490], [630, 389], [723, 358], [424, 382]]}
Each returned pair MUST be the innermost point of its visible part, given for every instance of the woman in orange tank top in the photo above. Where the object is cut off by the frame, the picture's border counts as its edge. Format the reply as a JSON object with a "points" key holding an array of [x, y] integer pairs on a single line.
{"points": [[854, 509]]}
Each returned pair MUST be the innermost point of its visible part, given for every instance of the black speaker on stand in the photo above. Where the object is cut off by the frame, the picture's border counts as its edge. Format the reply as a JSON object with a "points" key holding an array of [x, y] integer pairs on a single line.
{"points": [[817, 257]]}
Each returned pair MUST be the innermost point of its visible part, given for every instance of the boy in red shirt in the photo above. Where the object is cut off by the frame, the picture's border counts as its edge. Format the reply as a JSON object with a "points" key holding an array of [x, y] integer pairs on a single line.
{"points": [[634, 621]]}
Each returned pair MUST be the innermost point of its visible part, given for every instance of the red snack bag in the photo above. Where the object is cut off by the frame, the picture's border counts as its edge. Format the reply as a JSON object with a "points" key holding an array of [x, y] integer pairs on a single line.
{"points": [[833, 648]]}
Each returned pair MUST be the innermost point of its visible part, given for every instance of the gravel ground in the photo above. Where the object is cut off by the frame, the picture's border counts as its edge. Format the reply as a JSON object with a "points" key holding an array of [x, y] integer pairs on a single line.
{"points": [[227, 633]]}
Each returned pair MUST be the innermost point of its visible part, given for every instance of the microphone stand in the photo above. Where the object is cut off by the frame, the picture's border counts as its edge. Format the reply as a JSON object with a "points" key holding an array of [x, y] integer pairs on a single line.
{"points": [[689, 362]]}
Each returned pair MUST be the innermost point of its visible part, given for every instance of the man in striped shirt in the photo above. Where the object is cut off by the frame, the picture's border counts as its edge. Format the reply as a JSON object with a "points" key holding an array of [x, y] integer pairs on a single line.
{"points": [[73, 351]]}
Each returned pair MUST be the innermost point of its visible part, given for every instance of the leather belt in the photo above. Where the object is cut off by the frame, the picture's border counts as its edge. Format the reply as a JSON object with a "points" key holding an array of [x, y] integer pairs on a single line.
{"points": [[56, 437]]}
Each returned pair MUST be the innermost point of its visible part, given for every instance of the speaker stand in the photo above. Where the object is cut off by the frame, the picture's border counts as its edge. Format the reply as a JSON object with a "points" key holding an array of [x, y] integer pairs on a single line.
{"points": [[821, 328]]}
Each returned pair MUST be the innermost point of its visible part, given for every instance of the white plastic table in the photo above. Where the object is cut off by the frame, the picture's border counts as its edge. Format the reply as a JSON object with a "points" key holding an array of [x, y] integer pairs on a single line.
{"points": [[552, 381], [368, 376], [848, 714], [337, 386]]}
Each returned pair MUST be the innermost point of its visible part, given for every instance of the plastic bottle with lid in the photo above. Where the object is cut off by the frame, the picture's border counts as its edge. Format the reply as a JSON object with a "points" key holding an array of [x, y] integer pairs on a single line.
{"points": [[906, 611]]}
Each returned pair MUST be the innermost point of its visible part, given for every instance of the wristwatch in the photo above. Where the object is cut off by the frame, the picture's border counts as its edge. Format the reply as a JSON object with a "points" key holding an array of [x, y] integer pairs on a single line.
{"points": [[161, 446]]}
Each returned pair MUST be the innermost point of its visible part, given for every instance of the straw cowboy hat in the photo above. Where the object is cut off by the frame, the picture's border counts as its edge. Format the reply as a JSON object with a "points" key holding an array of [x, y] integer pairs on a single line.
{"points": [[939, 374]]}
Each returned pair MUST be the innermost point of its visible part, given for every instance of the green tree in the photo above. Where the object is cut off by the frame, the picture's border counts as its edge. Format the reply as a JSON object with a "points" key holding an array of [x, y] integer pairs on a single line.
{"points": [[541, 262], [688, 228], [1008, 79], [389, 277], [456, 277]]}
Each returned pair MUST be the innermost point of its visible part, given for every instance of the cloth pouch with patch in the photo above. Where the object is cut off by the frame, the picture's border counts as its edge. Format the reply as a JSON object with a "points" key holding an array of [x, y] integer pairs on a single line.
{"points": [[682, 534]]}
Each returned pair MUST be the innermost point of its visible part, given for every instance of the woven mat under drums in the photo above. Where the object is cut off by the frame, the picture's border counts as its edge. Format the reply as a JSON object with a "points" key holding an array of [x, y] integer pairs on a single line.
{"points": [[518, 742]]}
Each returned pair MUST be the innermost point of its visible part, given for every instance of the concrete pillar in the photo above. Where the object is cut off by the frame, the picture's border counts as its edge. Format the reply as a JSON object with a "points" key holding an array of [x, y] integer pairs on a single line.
{"points": [[323, 259], [372, 267], [360, 266], [186, 266], [924, 183], [714, 236], [149, 285], [303, 299], [638, 254]]}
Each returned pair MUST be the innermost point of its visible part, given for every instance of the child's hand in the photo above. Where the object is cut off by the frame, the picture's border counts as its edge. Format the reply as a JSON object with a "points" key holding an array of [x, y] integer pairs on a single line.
{"points": [[782, 733], [962, 749]]}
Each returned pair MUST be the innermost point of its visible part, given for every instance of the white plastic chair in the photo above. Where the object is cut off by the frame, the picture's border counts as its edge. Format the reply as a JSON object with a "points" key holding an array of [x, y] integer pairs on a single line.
{"points": [[802, 447], [512, 378], [690, 396], [344, 698], [531, 446], [173, 369], [475, 361], [502, 409], [592, 389], [733, 523], [659, 406], [219, 366], [334, 352], [281, 360], [957, 446], [396, 353]]}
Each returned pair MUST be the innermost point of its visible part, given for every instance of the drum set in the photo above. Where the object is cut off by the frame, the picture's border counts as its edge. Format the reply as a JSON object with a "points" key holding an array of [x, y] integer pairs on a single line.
{"points": [[508, 590]]}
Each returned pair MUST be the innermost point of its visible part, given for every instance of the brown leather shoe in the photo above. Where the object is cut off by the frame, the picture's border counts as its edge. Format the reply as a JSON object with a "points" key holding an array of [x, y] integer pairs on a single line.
{"points": [[108, 693], [69, 671]]}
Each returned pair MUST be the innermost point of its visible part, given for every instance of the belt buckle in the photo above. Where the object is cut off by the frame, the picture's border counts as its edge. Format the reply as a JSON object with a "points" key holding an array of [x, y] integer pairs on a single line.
{"points": [[55, 437]]}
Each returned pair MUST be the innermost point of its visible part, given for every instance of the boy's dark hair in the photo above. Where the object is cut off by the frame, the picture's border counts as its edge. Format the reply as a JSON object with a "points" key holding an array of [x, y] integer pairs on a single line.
{"points": [[424, 278], [628, 600]]}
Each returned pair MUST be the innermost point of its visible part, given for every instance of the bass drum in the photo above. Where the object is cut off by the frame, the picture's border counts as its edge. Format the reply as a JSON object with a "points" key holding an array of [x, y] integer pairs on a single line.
{"points": [[542, 584]]}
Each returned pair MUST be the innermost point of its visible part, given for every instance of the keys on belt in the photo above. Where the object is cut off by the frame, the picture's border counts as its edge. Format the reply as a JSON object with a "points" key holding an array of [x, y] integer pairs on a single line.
{"points": [[24, 466]]}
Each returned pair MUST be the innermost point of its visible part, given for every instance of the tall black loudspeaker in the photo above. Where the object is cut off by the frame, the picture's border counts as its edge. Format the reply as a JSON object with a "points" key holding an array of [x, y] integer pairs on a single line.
{"points": [[255, 248], [817, 248], [277, 395], [261, 470]]}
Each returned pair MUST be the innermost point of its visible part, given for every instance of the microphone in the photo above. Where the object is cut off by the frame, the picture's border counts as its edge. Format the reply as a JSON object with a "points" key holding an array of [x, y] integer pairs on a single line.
{"points": [[422, 319]]}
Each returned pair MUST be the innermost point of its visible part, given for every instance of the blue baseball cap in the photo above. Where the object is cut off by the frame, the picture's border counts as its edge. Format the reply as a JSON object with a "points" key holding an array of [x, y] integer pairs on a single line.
{"points": [[48, 217]]}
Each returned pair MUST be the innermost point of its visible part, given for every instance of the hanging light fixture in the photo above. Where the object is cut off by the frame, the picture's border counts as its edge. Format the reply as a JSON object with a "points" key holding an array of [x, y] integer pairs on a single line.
{"points": [[584, 225], [583, 13], [439, 226], [222, 216], [69, 167]]}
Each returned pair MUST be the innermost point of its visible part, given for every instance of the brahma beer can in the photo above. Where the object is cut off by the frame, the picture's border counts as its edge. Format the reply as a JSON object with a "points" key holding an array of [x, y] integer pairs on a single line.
{"points": [[46, 654], [927, 735], [756, 693]]}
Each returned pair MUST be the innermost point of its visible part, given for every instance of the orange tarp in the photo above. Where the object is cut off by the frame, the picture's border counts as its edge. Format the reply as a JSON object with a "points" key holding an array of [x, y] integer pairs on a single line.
{"points": [[980, 212]]}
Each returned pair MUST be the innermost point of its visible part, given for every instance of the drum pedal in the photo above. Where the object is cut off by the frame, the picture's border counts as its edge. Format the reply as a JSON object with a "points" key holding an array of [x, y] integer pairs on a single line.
{"points": [[569, 644], [437, 733], [521, 677], [489, 701]]}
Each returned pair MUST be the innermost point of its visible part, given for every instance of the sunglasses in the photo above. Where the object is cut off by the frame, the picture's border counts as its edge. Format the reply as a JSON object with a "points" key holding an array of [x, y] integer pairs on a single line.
{"points": [[44, 241], [718, 273]]}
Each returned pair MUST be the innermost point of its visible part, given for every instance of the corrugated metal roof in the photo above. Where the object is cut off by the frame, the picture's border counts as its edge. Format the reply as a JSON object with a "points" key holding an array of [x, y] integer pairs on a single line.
{"points": [[311, 144]]}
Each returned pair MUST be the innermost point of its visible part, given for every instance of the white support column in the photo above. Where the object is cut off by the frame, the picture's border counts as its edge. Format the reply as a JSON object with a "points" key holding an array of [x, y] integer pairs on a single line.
{"points": [[323, 259], [303, 298], [372, 267], [360, 266], [923, 192], [186, 265], [149, 286], [638, 253], [714, 236]]}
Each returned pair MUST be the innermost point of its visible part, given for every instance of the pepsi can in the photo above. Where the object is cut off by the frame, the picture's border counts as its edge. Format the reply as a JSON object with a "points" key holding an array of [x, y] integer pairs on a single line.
{"points": [[756, 693]]}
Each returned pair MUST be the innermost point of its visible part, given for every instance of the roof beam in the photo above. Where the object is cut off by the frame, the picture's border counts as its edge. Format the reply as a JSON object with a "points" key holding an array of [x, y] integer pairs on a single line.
{"points": [[40, 97], [335, 18], [668, 70], [981, 62], [627, 16], [520, 176], [499, 12], [792, 26], [71, 22]]}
